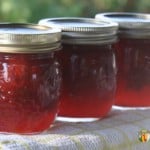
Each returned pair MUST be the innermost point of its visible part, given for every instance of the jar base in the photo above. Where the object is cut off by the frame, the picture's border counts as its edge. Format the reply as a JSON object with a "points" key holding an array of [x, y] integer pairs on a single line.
{"points": [[43, 131], [74, 119]]}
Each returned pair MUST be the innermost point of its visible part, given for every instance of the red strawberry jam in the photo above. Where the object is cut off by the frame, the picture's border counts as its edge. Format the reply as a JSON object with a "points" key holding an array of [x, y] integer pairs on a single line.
{"points": [[29, 90], [89, 67], [89, 81], [133, 58], [30, 79], [134, 72]]}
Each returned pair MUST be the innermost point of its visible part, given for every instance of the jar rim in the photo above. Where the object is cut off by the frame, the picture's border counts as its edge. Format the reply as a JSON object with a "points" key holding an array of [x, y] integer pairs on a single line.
{"points": [[134, 25], [28, 38], [82, 30]]}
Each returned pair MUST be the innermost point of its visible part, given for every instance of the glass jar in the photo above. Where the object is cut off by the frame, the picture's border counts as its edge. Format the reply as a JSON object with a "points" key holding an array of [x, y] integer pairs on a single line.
{"points": [[30, 77], [89, 69], [133, 58]]}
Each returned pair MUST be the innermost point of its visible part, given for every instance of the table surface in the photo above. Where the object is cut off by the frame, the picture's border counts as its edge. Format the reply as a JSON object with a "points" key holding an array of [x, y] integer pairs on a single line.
{"points": [[120, 130]]}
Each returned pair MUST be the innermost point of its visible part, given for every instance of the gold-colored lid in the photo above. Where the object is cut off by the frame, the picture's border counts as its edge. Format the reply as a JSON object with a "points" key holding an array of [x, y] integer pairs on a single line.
{"points": [[28, 38]]}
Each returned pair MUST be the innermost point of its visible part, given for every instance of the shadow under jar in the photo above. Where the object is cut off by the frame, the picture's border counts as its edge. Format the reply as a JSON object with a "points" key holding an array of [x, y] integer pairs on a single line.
{"points": [[133, 58], [30, 77], [89, 69]]}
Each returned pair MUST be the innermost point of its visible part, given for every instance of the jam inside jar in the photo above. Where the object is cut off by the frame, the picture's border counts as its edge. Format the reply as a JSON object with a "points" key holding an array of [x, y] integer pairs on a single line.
{"points": [[88, 68], [30, 77], [133, 57], [89, 81], [29, 91]]}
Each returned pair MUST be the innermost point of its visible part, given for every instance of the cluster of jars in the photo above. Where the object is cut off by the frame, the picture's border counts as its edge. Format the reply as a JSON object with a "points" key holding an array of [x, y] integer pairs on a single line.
{"points": [[73, 68]]}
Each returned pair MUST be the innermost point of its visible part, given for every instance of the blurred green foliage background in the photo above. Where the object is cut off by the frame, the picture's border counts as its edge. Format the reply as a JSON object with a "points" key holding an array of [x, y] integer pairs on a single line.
{"points": [[34, 10]]}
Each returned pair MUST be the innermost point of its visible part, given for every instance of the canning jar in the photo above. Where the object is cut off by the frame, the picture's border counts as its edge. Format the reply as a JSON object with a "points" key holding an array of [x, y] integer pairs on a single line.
{"points": [[89, 68], [133, 58], [30, 77]]}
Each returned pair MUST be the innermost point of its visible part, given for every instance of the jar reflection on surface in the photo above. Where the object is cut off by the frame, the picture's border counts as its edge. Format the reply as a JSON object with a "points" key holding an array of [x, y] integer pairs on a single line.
{"points": [[89, 80], [29, 91], [133, 57]]}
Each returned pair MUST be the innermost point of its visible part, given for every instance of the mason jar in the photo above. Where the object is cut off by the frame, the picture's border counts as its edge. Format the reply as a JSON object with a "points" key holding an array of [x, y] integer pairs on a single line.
{"points": [[30, 77], [88, 67], [133, 58]]}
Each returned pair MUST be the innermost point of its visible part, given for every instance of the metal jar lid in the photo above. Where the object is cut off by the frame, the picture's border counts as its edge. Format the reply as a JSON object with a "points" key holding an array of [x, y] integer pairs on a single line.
{"points": [[131, 25], [28, 38], [83, 30]]}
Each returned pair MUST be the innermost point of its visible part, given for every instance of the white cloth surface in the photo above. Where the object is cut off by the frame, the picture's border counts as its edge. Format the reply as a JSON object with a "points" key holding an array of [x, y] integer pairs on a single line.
{"points": [[118, 131]]}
